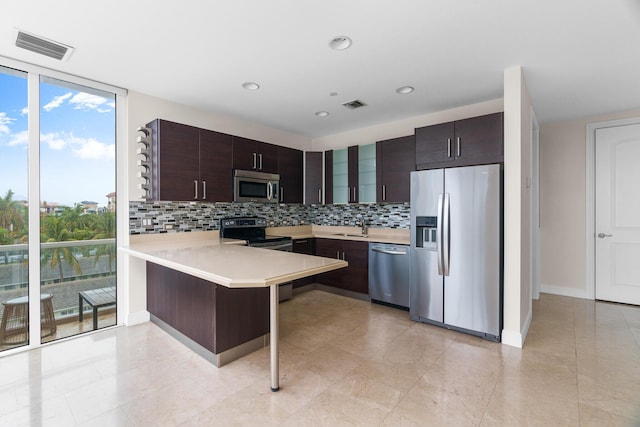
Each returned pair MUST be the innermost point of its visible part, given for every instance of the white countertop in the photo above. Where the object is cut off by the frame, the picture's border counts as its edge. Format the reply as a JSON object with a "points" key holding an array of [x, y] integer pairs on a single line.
{"points": [[231, 265]]}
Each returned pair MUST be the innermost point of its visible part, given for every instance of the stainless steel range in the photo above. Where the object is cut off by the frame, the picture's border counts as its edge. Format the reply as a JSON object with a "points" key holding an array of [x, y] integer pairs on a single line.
{"points": [[253, 231]]}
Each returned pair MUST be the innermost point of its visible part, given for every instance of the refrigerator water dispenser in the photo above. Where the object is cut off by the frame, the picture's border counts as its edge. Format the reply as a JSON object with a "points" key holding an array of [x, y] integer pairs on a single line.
{"points": [[426, 232]]}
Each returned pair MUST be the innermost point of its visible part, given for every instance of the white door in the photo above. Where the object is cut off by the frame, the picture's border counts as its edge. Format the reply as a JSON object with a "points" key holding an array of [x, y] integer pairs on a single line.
{"points": [[617, 227]]}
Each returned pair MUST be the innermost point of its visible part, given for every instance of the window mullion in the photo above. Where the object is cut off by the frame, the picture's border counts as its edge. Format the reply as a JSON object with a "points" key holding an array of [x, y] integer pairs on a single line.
{"points": [[34, 207]]}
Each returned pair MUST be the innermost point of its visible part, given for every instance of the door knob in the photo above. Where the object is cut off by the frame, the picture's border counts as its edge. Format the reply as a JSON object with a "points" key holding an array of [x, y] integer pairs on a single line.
{"points": [[602, 235]]}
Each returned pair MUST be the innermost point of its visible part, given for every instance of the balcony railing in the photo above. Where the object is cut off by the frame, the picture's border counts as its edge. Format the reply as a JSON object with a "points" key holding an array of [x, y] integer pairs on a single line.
{"points": [[96, 271]]}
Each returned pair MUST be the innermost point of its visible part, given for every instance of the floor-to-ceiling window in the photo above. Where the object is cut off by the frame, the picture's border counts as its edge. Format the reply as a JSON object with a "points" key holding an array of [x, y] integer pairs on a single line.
{"points": [[68, 199], [14, 232]]}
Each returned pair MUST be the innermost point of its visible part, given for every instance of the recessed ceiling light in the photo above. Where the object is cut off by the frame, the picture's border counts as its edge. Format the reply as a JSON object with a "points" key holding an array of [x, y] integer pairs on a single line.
{"points": [[333, 94], [404, 89], [322, 113], [251, 86], [340, 43]]}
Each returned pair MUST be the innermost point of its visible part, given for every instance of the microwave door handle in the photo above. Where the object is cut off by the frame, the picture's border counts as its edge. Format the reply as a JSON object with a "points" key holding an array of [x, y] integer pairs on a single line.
{"points": [[269, 191]]}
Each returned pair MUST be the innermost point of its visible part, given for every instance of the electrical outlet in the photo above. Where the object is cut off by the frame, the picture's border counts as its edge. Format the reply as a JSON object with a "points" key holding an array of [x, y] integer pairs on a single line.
{"points": [[168, 226], [146, 222]]}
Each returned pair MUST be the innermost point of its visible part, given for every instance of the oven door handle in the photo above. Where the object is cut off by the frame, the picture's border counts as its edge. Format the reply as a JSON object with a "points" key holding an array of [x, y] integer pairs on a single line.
{"points": [[277, 247]]}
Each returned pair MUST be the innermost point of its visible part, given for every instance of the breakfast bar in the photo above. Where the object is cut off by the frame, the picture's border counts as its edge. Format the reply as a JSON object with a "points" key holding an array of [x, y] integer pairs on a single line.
{"points": [[229, 264]]}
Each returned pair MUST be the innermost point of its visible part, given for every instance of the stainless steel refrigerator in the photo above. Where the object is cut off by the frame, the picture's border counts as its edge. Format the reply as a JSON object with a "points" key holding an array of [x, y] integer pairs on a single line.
{"points": [[456, 249]]}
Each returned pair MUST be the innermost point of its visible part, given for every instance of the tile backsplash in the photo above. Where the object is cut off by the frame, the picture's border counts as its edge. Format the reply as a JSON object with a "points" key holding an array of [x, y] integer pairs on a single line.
{"points": [[167, 217]]}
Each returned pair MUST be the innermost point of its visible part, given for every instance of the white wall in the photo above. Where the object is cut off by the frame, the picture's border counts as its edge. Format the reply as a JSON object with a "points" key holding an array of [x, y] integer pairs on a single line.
{"points": [[517, 212], [563, 204]]}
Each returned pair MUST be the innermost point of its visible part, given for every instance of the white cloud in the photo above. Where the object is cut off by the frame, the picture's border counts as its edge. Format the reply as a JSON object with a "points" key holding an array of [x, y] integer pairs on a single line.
{"points": [[57, 101], [87, 101], [92, 149], [24, 111], [4, 123], [53, 140], [20, 138]]}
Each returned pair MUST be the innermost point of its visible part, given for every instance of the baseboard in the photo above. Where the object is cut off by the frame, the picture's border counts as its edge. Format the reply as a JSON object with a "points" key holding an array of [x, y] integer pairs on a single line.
{"points": [[516, 339], [563, 291], [137, 318]]}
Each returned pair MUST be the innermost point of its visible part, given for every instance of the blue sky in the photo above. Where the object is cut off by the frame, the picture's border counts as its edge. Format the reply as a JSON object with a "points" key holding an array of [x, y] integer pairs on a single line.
{"points": [[77, 141]]}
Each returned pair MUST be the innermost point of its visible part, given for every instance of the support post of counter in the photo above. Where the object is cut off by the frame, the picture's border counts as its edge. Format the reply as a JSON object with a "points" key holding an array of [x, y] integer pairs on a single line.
{"points": [[273, 325]]}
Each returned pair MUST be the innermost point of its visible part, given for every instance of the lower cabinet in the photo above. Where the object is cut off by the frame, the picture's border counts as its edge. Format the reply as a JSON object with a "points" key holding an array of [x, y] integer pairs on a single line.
{"points": [[216, 317], [304, 246], [353, 278]]}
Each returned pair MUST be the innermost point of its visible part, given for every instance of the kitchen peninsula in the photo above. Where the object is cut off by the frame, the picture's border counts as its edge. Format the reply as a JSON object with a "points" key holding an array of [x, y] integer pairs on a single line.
{"points": [[219, 266]]}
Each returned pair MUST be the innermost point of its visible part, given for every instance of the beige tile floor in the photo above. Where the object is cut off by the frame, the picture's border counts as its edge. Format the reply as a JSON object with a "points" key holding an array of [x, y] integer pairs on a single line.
{"points": [[343, 362]]}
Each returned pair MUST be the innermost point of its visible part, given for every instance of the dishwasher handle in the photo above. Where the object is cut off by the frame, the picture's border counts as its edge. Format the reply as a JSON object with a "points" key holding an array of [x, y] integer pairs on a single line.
{"points": [[389, 252]]}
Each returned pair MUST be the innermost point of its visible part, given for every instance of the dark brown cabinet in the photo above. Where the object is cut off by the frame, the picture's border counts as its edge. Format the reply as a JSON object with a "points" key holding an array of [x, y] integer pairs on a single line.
{"points": [[215, 166], [249, 154], [353, 174], [328, 177], [304, 246], [291, 171], [189, 163], [395, 159], [473, 141], [216, 317], [313, 178], [355, 277]]}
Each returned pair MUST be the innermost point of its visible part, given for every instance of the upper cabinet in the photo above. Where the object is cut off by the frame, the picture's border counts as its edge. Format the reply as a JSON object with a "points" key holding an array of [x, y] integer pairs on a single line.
{"points": [[249, 154], [396, 158], [189, 164], [291, 171], [473, 141], [367, 173], [313, 178], [350, 174]]}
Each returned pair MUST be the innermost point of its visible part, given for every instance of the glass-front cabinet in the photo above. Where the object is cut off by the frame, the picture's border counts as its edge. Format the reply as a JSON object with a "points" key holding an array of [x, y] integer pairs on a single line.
{"points": [[354, 174], [367, 173]]}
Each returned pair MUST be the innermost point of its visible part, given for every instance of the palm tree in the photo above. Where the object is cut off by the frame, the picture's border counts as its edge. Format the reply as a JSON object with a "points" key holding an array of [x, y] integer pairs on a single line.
{"points": [[105, 228], [12, 215], [5, 239], [54, 229]]}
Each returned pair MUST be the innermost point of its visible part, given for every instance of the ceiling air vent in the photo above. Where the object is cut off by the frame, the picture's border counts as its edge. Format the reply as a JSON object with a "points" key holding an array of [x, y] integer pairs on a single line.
{"points": [[352, 105], [43, 46]]}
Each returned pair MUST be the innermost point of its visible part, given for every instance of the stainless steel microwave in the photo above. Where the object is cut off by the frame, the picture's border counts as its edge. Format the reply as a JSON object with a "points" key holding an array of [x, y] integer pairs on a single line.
{"points": [[250, 186]]}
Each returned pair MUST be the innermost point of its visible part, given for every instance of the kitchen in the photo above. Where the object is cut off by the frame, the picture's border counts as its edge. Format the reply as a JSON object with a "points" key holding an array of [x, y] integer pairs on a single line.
{"points": [[512, 98]]}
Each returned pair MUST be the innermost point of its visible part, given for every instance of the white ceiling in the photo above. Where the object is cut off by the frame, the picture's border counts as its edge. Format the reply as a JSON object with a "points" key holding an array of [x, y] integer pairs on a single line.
{"points": [[580, 57]]}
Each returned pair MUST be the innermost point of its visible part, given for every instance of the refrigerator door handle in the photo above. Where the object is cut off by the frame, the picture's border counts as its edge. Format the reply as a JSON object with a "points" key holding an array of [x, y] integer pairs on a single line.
{"points": [[445, 234], [439, 233]]}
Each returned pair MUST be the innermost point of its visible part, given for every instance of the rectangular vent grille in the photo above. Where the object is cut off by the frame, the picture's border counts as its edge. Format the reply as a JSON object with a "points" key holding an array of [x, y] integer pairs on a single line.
{"points": [[44, 47], [352, 105]]}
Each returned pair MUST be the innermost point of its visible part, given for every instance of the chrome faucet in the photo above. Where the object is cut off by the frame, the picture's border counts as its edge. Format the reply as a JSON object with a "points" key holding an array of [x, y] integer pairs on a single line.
{"points": [[364, 227]]}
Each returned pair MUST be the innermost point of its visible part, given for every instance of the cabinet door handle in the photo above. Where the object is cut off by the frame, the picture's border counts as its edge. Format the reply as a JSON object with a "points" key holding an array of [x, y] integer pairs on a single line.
{"points": [[458, 150], [344, 258], [195, 189], [354, 194], [448, 147], [281, 194], [260, 156], [300, 242], [204, 190], [384, 192], [337, 254], [255, 160], [319, 195]]}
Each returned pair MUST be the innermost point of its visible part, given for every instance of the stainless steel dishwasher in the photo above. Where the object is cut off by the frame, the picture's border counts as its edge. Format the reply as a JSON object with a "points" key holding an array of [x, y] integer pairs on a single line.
{"points": [[389, 273]]}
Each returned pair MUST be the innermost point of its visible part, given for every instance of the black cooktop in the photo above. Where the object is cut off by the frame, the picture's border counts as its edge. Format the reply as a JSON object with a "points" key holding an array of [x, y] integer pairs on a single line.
{"points": [[251, 229]]}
